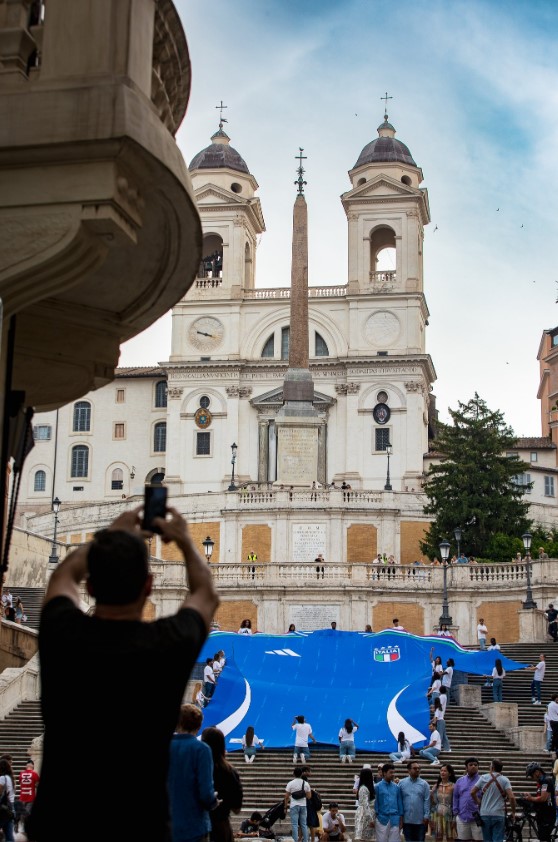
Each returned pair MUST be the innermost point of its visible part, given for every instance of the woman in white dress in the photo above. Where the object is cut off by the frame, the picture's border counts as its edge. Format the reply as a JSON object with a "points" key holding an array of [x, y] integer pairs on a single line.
{"points": [[364, 816]]}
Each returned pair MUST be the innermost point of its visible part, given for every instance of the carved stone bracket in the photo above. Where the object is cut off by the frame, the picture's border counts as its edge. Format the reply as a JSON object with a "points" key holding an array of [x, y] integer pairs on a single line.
{"points": [[347, 388], [175, 392], [239, 391], [413, 386]]}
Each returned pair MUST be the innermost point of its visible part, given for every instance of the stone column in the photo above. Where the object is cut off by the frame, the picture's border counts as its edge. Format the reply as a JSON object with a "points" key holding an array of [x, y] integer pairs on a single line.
{"points": [[298, 342], [263, 453]]}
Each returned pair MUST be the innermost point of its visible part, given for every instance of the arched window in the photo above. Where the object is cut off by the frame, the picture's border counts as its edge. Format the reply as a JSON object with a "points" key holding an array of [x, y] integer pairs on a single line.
{"points": [[82, 417], [320, 346], [285, 333], [161, 394], [382, 254], [117, 479], [39, 483], [212, 258], [80, 461], [157, 478], [269, 347], [160, 437]]}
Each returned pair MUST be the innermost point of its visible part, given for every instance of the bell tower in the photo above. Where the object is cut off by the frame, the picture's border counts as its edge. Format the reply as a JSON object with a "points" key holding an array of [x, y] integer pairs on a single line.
{"points": [[231, 216], [386, 209]]}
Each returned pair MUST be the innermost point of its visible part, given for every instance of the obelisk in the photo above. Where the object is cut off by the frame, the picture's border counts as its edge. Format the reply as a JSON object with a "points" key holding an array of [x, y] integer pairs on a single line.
{"points": [[297, 421]]}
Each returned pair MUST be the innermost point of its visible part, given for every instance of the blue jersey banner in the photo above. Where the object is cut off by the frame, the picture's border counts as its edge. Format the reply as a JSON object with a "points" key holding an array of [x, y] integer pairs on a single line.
{"points": [[378, 680]]}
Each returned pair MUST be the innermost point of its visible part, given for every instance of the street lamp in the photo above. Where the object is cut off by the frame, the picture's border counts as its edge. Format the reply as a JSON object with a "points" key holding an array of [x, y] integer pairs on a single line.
{"points": [[527, 538], [387, 486], [458, 535], [445, 619], [53, 557], [232, 486], [208, 545]]}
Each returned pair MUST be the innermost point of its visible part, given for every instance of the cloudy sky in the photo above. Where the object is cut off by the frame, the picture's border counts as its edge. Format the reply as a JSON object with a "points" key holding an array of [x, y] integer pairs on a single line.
{"points": [[475, 97]]}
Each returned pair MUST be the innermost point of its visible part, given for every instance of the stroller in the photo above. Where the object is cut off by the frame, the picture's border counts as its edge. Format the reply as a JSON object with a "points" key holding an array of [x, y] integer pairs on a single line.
{"points": [[269, 818]]}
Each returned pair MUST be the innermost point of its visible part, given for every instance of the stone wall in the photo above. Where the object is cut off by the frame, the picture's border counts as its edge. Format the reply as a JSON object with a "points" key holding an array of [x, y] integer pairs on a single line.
{"points": [[256, 537], [362, 542], [412, 533]]}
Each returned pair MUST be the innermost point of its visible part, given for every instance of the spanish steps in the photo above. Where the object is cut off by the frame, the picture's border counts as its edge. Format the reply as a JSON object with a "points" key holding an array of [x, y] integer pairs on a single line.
{"points": [[264, 780]]}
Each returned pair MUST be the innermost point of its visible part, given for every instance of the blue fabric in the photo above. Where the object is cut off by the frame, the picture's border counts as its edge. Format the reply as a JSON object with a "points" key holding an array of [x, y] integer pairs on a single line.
{"points": [[268, 679], [190, 785], [298, 817], [493, 828], [388, 803]]}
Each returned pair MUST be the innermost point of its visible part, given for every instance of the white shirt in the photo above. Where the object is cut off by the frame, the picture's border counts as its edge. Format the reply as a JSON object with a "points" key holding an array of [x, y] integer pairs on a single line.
{"points": [[216, 668], [438, 714], [436, 740], [446, 679], [553, 712], [295, 786], [482, 631], [303, 731], [443, 701], [347, 737], [495, 673], [496, 646], [255, 742], [539, 671], [332, 824], [437, 669], [436, 684], [6, 781], [245, 631], [208, 674]]}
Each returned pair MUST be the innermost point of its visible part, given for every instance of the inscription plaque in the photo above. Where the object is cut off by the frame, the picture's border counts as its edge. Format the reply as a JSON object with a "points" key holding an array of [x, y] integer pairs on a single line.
{"points": [[297, 455], [309, 540], [312, 617]]}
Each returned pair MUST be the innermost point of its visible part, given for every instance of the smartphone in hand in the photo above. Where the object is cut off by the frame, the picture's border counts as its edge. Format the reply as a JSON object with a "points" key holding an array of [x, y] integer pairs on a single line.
{"points": [[155, 505]]}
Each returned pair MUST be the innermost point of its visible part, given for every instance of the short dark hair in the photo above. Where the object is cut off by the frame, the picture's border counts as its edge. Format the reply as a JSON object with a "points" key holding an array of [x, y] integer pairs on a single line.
{"points": [[118, 567], [497, 765], [387, 766], [256, 817], [333, 804], [297, 771], [410, 763], [471, 760]]}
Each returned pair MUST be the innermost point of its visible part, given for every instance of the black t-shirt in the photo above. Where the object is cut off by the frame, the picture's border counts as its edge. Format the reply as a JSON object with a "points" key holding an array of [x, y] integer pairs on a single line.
{"points": [[111, 694], [546, 810], [551, 615]]}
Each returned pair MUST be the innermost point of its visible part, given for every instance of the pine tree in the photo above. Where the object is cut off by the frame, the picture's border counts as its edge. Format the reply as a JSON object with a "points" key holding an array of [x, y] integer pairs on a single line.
{"points": [[473, 486]]}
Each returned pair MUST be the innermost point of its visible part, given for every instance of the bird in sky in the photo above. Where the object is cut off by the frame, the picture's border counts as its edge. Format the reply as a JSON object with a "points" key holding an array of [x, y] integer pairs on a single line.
{"points": [[436, 228], [497, 209]]}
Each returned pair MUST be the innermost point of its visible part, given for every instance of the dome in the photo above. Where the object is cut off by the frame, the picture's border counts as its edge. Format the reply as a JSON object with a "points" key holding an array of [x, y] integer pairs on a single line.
{"points": [[385, 149], [218, 155]]}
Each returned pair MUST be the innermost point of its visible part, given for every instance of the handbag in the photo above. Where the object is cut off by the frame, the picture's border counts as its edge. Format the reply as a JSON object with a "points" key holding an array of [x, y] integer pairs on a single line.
{"points": [[477, 818]]}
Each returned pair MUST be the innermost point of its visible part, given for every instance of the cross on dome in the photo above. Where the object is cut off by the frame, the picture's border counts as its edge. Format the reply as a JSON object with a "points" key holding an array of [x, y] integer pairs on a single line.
{"points": [[300, 183]]}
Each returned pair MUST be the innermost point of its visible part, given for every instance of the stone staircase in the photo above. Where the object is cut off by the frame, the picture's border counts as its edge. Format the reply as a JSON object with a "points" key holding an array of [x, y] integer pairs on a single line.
{"points": [[18, 729], [264, 780], [469, 733], [32, 599]]}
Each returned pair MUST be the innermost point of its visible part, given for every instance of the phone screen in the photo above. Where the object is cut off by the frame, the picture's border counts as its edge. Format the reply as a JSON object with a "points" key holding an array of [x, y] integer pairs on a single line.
{"points": [[155, 505]]}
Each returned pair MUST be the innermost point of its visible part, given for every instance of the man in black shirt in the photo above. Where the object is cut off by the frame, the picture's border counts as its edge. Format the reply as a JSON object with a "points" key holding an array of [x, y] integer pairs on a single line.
{"points": [[112, 686], [543, 801], [551, 615]]}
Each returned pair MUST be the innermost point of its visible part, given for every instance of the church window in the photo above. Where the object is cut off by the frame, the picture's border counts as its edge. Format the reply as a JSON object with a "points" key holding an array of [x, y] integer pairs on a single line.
{"points": [[361, 181], [203, 444], [119, 431], [161, 394], [120, 396], [382, 397], [285, 334], [269, 347], [211, 265], [320, 346], [80, 461], [406, 180], [236, 187], [82, 417], [39, 483], [204, 402], [160, 437], [117, 479], [157, 479], [42, 432], [381, 435]]}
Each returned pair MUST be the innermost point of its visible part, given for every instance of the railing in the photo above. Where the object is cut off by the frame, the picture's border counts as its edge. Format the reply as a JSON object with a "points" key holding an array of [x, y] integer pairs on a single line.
{"points": [[208, 283], [387, 277], [319, 496], [285, 292]]}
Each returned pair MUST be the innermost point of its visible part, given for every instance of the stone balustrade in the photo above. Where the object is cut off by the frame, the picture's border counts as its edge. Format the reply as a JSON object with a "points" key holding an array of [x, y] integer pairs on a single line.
{"points": [[373, 576], [285, 292]]}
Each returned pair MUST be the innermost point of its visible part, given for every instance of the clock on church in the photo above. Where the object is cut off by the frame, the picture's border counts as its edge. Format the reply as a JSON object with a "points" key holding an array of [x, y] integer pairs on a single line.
{"points": [[206, 333]]}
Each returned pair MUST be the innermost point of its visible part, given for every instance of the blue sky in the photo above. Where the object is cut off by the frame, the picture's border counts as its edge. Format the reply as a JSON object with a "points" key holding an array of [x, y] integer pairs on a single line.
{"points": [[475, 97]]}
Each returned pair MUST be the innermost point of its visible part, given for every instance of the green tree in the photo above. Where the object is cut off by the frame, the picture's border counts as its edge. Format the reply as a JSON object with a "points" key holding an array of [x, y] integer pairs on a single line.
{"points": [[473, 485]]}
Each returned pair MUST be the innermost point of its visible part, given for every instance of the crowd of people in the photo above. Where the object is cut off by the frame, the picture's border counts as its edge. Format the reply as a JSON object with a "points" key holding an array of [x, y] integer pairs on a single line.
{"points": [[12, 608]]}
